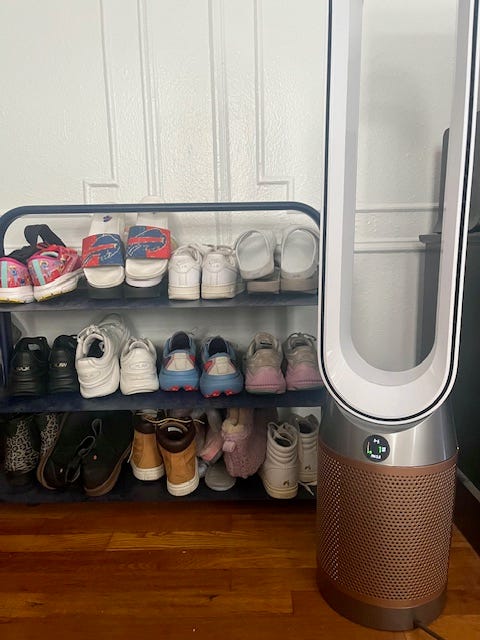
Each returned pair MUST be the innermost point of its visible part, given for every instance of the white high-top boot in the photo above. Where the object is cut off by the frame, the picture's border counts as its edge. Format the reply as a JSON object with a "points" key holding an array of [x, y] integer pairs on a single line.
{"points": [[279, 472], [308, 427]]}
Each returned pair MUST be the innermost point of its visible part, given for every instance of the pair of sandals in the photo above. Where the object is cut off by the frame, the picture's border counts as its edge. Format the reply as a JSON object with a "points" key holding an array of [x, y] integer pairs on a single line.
{"points": [[292, 268], [142, 263]]}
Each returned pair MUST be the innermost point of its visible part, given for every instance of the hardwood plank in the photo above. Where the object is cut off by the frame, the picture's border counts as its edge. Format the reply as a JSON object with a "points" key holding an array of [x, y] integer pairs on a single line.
{"points": [[226, 627], [47, 543]]}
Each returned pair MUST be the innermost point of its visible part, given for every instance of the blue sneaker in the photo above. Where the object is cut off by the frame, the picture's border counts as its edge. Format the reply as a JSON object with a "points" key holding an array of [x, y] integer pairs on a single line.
{"points": [[220, 371], [179, 370]]}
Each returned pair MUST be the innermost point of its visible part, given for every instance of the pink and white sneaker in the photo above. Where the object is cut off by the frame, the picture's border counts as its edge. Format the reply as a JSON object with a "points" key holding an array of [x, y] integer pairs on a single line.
{"points": [[302, 363], [54, 270], [15, 282], [263, 362], [15, 278]]}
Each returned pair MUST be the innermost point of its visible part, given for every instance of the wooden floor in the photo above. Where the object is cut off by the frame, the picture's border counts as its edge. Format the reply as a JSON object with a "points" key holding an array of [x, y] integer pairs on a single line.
{"points": [[186, 570]]}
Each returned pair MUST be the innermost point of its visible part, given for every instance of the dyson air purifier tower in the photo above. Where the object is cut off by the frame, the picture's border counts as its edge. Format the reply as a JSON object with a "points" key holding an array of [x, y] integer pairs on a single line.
{"points": [[387, 448]]}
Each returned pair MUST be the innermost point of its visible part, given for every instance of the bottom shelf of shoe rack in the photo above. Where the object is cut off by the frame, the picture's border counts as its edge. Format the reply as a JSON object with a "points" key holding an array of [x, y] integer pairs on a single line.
{"points": [[127, 487]]}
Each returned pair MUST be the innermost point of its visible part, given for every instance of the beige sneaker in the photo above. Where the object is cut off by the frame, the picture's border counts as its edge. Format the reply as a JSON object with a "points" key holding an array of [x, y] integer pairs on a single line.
{"points": [[145, 459], [176, 439], [302, 362], [263, 362], [308, 427], [279, 472]]}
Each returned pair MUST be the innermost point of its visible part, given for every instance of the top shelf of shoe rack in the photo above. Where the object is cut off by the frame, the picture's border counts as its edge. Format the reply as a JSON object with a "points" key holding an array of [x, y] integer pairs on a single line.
{"points": [[79, 299]]}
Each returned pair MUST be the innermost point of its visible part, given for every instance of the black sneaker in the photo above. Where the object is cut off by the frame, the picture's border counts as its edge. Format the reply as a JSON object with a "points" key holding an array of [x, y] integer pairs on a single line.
{"points": [[60, 463], [22, 449], [62, 375], [112, 435], [29, 367]]}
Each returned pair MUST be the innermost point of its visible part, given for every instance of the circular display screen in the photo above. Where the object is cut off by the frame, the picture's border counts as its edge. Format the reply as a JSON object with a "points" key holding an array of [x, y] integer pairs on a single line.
{"points": [[376, 448]]}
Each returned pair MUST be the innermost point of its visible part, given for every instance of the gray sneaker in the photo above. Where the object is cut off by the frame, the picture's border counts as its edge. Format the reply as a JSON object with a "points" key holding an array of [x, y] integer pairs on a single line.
{"points": [[263, 362]]}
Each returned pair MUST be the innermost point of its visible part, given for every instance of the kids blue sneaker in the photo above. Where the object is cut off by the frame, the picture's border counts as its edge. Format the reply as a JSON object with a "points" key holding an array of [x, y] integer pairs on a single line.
{"points": [[179, 370], [220, 370]]}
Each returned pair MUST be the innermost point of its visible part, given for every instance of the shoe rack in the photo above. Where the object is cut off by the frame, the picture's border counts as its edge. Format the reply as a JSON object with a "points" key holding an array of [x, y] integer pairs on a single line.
{"points": [[78, 300]]}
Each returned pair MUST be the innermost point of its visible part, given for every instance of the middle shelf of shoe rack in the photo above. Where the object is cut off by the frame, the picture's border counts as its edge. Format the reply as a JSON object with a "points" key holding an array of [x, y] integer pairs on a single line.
{"points": [[79, 300]]}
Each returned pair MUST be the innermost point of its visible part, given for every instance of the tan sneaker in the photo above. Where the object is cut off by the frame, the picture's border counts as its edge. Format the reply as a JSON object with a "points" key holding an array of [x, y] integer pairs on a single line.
{"points": [[263, 362], [176, 439], [146, 460], [302, 363]]}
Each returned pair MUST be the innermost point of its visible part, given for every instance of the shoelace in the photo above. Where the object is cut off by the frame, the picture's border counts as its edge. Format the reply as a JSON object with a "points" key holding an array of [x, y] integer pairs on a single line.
{"points": [[307, 486], [73, 468]]}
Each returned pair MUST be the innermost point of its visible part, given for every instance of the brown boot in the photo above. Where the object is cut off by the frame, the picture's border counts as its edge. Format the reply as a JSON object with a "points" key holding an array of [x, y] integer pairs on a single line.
{"points": [[146, 460], [176, 439]]}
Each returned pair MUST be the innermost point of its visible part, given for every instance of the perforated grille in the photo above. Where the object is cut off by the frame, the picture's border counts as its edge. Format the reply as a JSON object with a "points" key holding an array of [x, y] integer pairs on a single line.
{"points": [[384, 534]]}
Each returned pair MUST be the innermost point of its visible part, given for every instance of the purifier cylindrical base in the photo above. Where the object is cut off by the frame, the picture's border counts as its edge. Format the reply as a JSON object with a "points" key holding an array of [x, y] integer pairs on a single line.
{"points": [[383, 617], [384, 530]]}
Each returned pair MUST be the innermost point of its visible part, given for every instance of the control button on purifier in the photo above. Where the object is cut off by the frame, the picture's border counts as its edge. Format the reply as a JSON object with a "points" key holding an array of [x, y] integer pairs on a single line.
{"points": [[376, 448]]}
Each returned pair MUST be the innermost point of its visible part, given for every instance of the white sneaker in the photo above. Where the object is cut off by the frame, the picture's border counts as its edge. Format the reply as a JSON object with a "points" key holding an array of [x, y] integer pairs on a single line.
{"points": [[279, 472], [254, 250], [220, 274], [185, 271], [299, 260], [308, 427], [138, 367], [97, 356]]}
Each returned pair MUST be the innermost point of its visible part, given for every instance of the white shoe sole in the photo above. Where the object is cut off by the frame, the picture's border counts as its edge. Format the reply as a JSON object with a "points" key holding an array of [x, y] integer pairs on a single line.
{"points": [[138, 385], [64, 284], [184, 488], [280, 493], [304, 285], [178, 292], [216, 291], [104, 277], [154, 473], [16, 294]]}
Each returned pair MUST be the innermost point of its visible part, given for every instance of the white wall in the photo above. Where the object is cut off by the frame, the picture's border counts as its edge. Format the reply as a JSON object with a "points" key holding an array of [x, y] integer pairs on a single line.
{"points": [[198, 100]]}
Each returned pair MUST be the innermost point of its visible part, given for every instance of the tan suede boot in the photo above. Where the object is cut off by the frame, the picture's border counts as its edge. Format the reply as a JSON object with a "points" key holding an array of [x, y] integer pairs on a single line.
{"points": [[176, 439], [146, 460]]}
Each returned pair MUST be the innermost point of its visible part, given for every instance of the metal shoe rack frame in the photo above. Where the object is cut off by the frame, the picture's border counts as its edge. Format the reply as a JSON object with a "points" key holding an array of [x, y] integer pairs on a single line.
{"points": [[79, 300]]}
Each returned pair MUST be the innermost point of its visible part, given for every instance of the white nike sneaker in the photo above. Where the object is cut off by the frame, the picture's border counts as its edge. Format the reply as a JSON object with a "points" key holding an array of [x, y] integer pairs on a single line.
{"points": [[138, 367], [185, 271], [220, 274], [97, 356]]}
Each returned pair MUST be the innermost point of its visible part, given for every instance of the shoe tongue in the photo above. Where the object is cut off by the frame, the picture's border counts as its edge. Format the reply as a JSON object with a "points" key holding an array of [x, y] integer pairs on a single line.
{"points": [[264, 341], [298, 341]]}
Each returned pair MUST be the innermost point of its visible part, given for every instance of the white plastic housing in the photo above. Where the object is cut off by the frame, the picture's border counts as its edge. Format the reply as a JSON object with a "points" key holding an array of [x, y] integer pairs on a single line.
{"points": [[372, 394]]}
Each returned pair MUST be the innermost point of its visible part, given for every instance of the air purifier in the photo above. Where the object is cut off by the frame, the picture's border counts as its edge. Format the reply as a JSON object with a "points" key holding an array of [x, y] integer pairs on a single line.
{"points": [[387, 446]]}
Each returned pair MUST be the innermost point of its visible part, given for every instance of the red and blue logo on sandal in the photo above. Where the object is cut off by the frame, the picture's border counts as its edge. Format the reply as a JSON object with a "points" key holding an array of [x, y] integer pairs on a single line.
{"points": [[148, 242], [102, 250]]}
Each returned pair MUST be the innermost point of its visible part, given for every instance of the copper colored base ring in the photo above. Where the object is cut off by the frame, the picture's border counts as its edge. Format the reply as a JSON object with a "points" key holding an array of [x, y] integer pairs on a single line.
{"points": [[379, 617]]}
